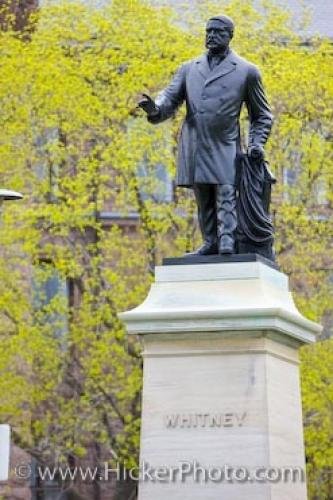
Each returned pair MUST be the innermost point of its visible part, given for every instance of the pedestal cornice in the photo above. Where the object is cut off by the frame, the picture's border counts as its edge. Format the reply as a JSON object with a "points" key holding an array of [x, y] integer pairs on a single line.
{"points": [[222, 297]]}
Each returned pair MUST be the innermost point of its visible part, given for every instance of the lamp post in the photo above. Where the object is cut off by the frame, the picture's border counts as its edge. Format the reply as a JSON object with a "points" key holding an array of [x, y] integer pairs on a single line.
{"points": [[5, 195]]}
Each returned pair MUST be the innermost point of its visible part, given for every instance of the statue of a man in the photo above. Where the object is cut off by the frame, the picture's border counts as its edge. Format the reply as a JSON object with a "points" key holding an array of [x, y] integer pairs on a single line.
{"points": [[214, 87]]}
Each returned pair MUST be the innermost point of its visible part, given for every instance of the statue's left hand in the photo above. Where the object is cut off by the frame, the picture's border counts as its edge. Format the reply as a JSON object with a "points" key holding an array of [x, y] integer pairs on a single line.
{"points": [[256, 152]]}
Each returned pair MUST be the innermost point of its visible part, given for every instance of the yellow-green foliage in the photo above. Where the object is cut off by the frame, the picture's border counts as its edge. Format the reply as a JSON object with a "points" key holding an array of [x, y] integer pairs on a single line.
{"points": [[317, 389], [72, 140]]}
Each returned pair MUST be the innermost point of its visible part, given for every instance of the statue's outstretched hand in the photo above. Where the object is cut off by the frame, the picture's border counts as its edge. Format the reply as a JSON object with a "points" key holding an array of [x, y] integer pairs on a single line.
{"points": [[256, 152], [148, 105]]}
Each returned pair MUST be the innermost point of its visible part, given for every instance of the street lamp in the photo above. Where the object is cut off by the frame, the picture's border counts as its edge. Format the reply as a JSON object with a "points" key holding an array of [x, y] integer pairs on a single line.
{"points": [[6, 195]]}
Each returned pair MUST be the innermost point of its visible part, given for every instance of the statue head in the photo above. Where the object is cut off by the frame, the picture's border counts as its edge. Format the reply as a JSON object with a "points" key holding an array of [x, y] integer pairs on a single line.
{"points": [[219, 32]]}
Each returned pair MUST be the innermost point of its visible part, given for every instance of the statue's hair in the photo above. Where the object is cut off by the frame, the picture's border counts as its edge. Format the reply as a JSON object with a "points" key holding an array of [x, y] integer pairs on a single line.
{"points": [[226, 21]]}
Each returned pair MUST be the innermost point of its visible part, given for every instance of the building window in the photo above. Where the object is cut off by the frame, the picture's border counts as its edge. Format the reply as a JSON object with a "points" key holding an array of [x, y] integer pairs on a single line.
{"points": [[289, 177], [50, 297], [155, 183], [47, 169]]}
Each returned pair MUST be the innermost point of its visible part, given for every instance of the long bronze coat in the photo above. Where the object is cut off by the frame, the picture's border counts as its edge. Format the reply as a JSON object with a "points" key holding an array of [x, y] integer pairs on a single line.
{"points": [[209, 137]]}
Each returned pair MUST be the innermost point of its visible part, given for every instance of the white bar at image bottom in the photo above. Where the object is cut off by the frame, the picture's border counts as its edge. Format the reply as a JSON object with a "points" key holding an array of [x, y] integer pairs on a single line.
{"points": [[4, 451]]}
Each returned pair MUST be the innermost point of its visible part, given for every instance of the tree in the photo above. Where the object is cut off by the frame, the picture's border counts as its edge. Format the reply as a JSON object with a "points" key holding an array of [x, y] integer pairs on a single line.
{"points": [[317, 387], [15, 14], [73, 141], [71, 377]]}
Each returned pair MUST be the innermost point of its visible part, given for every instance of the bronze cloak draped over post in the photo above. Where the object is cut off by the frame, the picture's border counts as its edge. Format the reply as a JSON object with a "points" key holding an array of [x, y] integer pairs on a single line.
{"points": [[255, 232]]}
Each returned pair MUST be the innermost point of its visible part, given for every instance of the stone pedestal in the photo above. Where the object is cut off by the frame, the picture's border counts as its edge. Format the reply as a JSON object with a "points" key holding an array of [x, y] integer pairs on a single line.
{"points": [[221, 416]]}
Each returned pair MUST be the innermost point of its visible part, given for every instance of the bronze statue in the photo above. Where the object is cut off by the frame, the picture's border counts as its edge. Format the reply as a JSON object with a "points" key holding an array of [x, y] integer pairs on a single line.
{"points": [[210, 161]]}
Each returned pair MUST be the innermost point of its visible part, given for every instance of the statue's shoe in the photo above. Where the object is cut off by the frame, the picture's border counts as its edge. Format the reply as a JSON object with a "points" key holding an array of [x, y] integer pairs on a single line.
{"points": [[226, 245], [205, 249]]}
